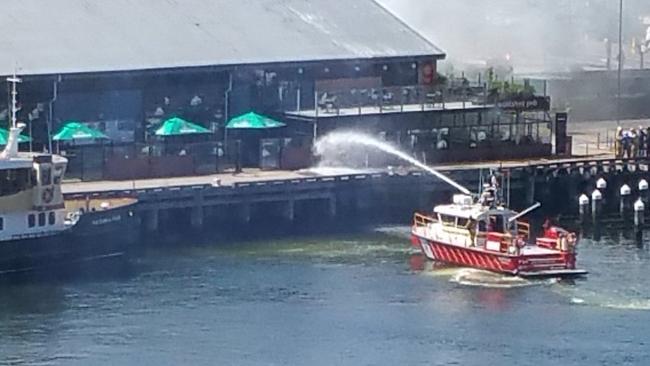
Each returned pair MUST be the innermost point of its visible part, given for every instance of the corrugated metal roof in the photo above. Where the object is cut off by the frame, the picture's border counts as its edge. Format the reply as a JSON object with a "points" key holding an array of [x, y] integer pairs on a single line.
{"points": [[69, 36]]}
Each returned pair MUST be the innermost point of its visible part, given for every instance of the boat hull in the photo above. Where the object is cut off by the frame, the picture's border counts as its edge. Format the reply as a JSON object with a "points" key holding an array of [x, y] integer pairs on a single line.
{"points": [[98, 234], [555, 265]]}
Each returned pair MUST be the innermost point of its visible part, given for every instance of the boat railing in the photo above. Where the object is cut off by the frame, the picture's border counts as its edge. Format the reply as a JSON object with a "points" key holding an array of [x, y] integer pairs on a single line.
{"points": [[420, 220], [523, 229]]}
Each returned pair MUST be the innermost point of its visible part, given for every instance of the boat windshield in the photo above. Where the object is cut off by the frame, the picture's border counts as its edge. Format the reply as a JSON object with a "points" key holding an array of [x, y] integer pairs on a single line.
{"points": [[13, 181]]}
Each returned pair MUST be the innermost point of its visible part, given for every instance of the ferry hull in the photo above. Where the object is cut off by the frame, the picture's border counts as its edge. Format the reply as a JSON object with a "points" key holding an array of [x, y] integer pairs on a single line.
{"points": [[97, 235], [555, 265]]}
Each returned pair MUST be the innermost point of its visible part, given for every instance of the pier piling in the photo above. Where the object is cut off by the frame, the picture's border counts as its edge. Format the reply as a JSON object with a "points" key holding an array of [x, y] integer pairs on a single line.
{"points": [[332, 206], [246, 212], [290, 212], [583, 205], [596, 207], [643, 191], [151, 219], [639, 220], [196, 217], [601, 186], [625, 201]]}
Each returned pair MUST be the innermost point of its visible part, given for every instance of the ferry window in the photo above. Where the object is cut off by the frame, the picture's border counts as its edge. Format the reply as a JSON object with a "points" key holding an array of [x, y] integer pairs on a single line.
{"points": [[448, 220], [41, 219], [46, 175], [58, 172], [2, 223], [31, 220], [13, 181], [464, 223], [51, 218]]}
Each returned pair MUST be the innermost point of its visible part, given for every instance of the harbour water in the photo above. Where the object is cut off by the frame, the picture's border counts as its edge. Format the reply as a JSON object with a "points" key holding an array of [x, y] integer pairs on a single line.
{"points": [[348, 299]]}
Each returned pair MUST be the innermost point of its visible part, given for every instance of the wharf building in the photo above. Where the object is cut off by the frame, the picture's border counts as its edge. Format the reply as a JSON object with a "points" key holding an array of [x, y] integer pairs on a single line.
{"points": [[123, 67]]}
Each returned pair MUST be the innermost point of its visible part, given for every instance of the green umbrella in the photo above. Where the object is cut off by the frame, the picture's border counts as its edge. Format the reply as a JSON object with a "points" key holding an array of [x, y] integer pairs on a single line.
{"points": [[254, 121], [77, 131], [4, 136], [177, 126]]}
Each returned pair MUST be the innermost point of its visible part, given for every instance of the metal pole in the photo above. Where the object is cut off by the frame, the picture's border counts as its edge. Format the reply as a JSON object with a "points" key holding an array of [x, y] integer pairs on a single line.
{"points": [[620, 61]]}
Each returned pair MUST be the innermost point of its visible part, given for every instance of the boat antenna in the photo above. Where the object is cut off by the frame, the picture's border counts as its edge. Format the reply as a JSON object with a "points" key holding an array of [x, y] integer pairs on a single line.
{"points": [[14, 80], [11, 147]]}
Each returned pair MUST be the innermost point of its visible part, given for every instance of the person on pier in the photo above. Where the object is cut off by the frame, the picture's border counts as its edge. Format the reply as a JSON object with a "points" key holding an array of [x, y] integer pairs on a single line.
{"points": [[618, 143]]}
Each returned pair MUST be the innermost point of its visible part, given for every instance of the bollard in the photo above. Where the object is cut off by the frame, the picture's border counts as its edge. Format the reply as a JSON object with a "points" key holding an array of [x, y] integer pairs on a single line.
{"points": [[583, 206], [643, 191], [601, 185], [625, 204], [596, 206], [639, 220]]}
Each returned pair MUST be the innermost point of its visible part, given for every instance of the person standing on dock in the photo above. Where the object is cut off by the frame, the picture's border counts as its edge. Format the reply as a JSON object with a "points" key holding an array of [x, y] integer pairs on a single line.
{"points": [[642, 140], [618, 142]]}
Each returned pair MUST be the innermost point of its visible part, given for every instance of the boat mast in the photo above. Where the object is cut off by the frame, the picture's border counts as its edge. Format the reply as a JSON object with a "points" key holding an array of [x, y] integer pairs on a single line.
{"points": [[14, 80]]}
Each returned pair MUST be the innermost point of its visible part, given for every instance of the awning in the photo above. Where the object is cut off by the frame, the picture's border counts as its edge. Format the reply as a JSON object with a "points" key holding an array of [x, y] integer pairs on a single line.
{"points": [[177, 127], [252, 120], [77, 131]]}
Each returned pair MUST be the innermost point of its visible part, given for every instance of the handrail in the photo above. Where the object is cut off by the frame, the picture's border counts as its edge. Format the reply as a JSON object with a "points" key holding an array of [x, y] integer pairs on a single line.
{"points": [[422, 220], [523, 229]]}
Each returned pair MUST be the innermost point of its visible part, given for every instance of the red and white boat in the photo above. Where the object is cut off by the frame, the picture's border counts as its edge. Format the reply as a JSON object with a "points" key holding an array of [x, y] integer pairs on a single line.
{"points": [[489, 236]]}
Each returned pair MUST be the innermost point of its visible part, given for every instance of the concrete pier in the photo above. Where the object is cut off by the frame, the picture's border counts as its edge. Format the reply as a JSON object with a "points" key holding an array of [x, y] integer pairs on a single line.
{"points": [[373, 195]]}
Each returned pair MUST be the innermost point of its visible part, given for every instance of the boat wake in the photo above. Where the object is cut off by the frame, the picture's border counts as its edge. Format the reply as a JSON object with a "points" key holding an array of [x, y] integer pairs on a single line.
{"points": [[479, 278], [618, 302]]}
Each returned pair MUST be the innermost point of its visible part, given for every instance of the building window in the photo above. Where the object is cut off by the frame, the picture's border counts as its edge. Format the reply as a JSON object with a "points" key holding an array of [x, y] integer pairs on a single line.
{"points": [[2, 223], [41, 219], [31, 220], [51, 218]]}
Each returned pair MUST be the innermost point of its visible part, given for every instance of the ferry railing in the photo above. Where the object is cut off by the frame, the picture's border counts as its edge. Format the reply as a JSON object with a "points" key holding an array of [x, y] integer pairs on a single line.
{"points": [[523, 229], [420, 220]]}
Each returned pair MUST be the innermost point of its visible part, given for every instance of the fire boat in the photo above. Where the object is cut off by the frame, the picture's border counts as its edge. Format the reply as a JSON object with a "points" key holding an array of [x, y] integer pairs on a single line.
{"points": [[480, 232]]}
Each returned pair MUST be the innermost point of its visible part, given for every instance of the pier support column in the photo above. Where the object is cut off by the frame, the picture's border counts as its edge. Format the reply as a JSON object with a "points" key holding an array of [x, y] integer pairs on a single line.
{"points": [[583, 208], [626, 200], [196, 217], [246, 212], [290, 210], [332, 206], [596, 212], [643, 191], [639, 220], [151, 219]]}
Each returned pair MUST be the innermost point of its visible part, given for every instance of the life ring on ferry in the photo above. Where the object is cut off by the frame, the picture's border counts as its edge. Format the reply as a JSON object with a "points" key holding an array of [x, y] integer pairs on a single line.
{"points": [[47, 195]]}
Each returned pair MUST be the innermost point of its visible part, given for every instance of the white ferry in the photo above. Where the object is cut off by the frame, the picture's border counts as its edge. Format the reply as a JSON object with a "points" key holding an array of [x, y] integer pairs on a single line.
{"points": [[37, 226]]}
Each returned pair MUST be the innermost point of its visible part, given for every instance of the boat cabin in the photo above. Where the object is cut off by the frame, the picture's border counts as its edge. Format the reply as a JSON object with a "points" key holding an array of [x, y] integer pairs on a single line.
{"points": [[31, 201], [470, 223]]}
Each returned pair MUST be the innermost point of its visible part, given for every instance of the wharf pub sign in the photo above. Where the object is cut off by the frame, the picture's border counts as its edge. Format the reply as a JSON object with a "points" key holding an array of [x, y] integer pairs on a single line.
{"points": [[527, 104]]}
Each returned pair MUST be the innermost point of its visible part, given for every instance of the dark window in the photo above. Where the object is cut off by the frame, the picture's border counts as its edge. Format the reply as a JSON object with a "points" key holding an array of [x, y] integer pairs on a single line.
{"points": [[51, 218], [13, 181], [46, 175], [448, 220], [41, 219], [2, 223], [31, 220]]}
